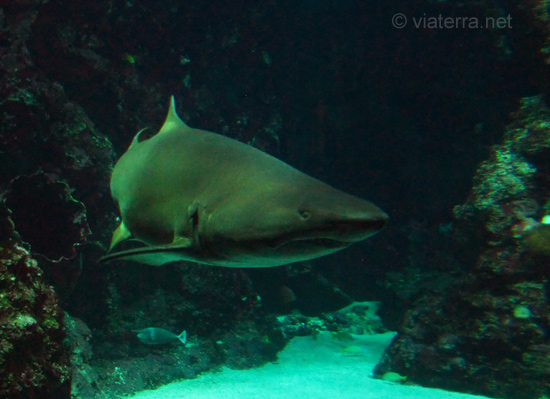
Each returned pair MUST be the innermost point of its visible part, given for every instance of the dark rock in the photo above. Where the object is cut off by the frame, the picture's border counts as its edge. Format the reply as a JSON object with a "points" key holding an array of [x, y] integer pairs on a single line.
{"points": [[487, 332], [34, 364]]}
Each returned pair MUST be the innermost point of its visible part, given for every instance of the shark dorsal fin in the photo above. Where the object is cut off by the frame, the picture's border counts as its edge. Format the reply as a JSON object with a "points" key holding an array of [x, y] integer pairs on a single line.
{"points": [[172, 121]]}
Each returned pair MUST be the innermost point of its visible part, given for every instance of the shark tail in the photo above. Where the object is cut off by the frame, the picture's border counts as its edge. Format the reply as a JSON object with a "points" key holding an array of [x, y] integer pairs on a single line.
{"points": [[183, 337]]}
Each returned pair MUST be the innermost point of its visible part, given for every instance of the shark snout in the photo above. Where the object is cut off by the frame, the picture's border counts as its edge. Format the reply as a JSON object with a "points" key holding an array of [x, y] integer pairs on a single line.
{"points": [[354, 227], [359, 227], [338, 227], [343, 217]]}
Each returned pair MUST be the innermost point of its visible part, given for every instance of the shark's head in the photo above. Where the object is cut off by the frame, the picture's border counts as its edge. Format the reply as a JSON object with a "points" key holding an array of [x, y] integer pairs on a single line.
{"points": [[281, 224]]}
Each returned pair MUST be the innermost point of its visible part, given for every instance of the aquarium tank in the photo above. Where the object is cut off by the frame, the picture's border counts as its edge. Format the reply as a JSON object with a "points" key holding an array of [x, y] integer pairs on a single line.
{"points": [[321, 199]]}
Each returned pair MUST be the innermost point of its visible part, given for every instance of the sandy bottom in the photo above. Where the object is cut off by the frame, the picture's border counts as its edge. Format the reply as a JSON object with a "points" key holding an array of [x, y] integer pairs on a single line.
{"points": [[320, 368]]}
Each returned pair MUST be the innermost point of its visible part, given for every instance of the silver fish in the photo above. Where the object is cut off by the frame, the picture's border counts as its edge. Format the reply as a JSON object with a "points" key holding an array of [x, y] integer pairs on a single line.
{"points": [[157, 336]]}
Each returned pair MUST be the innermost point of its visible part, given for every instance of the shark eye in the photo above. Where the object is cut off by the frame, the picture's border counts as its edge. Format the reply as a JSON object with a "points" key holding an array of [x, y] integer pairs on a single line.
{"points": [[304, 214]]}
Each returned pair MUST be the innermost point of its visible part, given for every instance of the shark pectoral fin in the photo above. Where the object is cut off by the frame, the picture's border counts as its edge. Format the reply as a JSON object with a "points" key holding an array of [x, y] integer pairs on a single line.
{"points": [[155, 255], [120, 234], [181, 242]]}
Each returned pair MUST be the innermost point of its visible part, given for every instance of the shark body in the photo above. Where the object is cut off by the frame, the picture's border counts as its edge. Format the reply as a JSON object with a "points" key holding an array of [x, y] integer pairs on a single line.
{"points": [[189, 194]]}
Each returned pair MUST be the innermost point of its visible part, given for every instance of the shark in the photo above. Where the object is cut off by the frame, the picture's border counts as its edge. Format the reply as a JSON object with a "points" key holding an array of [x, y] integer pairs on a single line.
{"points": [[193, 195]]}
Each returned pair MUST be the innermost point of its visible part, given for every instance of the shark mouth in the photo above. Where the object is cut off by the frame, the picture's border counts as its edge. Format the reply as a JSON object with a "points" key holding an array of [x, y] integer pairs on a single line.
{"points": [[328, 243], [313, 241], [332, 236]]}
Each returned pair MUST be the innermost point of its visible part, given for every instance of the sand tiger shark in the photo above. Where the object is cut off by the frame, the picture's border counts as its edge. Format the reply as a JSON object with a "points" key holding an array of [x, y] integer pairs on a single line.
{"points": [[189, 194]]}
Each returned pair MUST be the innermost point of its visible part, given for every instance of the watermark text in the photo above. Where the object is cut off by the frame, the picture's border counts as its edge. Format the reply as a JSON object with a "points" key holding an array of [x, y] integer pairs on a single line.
{"points": [[440, 21]]}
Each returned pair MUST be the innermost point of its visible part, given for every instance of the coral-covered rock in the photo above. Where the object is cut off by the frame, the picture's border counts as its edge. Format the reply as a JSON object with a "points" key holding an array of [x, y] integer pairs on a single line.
{"points": [[510, 188], [537, 18], [79, 348], [474, 340], [487, 332], [33, 360]]}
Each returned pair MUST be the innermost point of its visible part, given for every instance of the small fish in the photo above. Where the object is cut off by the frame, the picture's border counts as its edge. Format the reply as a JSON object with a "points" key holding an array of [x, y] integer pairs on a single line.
{"points": [[157, 336]]}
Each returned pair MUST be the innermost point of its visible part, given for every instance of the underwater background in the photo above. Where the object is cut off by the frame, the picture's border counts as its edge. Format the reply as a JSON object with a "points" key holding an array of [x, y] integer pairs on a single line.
{"points": [[427, 108]]}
